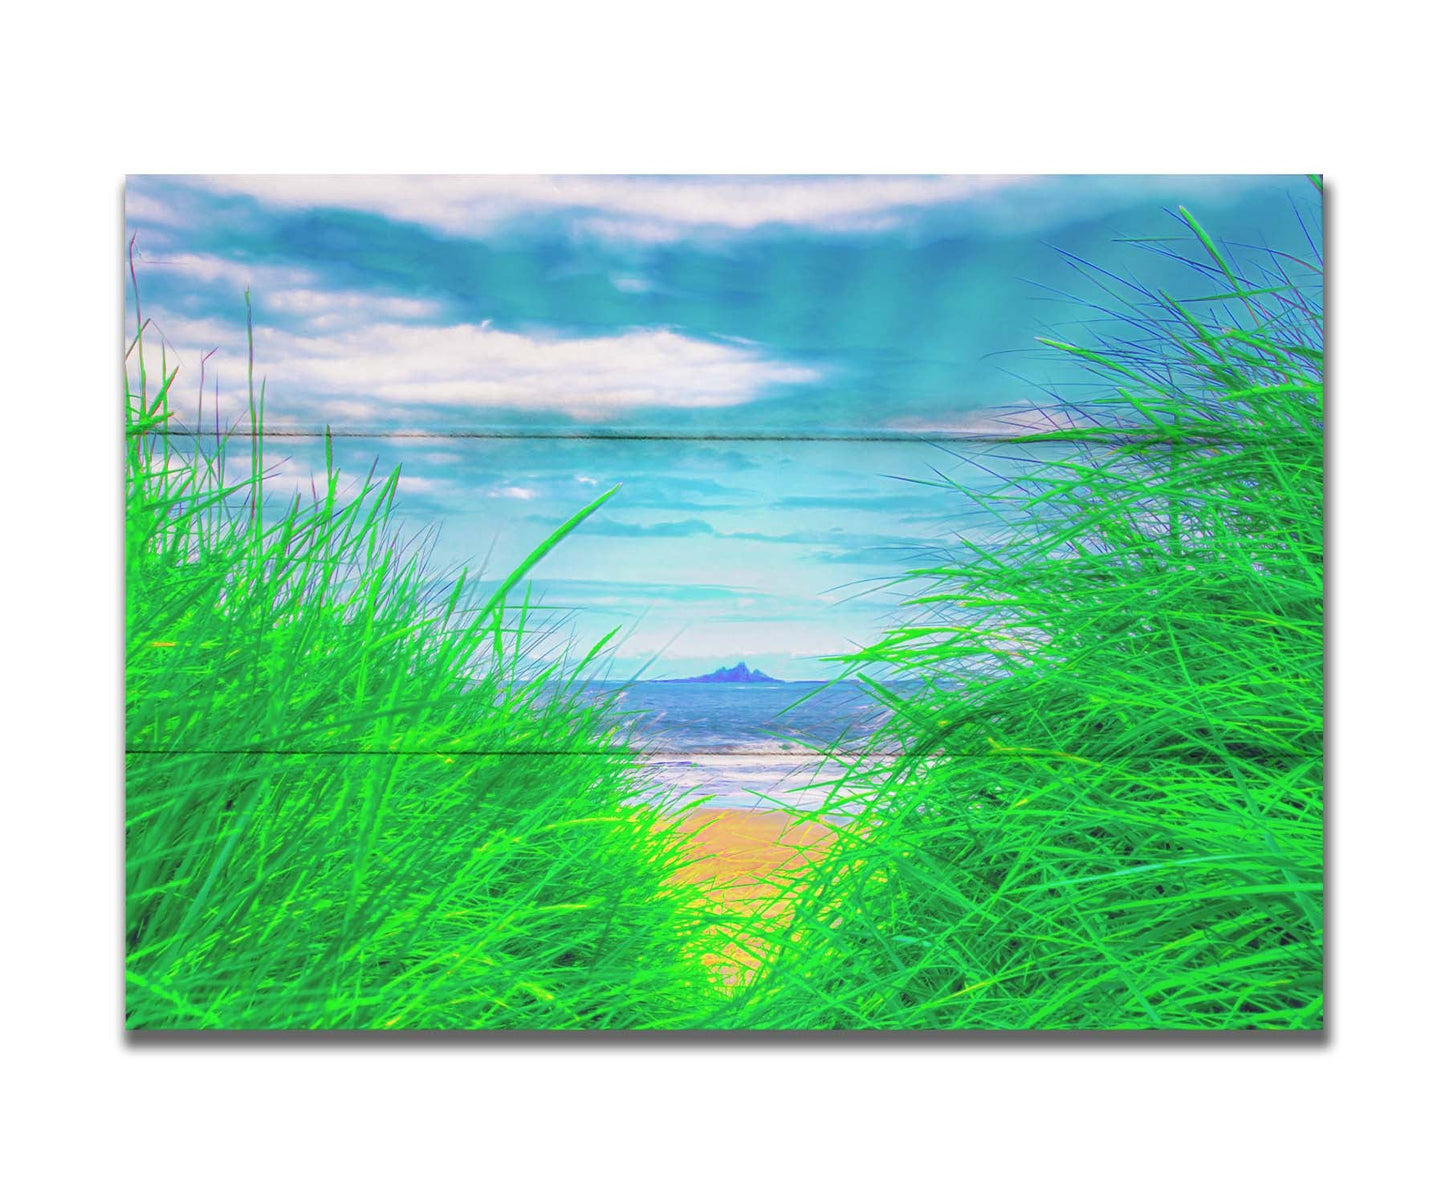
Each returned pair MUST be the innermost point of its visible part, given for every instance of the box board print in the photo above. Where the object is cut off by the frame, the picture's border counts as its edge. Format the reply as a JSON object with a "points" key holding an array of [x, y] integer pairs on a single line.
{"points": [[724, 603]]}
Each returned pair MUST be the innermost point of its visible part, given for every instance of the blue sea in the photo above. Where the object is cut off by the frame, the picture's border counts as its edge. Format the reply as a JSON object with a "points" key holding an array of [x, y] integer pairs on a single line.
{"points": [[748, 745]]}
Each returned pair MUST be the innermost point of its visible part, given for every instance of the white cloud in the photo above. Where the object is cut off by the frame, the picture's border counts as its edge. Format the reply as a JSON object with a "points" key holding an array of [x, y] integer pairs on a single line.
{"points": [[376, 369], [142, 207], [296, 292], [639, 208], [212, 269], [324, 307]]}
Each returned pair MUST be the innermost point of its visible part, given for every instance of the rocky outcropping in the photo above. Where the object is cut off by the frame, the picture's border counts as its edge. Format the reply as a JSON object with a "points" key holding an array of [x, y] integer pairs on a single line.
{"points": [[738, 673]]}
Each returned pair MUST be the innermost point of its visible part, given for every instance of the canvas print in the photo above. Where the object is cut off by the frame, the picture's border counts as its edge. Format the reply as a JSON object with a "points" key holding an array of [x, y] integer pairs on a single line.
{"points": [[724, 603]]}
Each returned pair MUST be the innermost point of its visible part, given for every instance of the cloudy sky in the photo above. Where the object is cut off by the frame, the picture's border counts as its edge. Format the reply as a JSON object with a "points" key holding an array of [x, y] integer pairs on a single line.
{"points": [[481, 332]]}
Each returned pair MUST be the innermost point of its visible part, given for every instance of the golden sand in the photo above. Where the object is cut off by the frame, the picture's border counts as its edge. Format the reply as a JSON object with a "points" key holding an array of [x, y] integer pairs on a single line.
{"points": [[747, 860]]}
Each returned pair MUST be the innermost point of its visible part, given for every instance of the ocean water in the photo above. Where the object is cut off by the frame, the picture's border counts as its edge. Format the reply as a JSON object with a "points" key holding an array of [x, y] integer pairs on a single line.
{"points": [[748, 745]]}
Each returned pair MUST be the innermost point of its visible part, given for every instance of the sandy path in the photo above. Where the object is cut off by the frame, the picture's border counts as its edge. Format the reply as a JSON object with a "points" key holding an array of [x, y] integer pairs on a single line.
{"points": [[746, 859]]}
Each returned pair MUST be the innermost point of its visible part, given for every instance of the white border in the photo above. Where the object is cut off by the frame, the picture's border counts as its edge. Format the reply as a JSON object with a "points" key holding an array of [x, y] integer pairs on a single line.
{"points": [[753, 87]]}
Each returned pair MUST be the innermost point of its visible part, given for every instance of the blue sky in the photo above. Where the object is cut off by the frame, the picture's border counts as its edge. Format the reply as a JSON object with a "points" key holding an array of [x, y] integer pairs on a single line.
{"points": [[723, 314]]}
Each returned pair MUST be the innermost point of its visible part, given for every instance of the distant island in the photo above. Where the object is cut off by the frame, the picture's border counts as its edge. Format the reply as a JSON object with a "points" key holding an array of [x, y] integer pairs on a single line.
{"points": [[738, 673]]}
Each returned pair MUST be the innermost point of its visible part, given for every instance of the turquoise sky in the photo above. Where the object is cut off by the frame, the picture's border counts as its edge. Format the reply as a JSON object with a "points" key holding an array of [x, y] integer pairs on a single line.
{"points": [[711, 320]]}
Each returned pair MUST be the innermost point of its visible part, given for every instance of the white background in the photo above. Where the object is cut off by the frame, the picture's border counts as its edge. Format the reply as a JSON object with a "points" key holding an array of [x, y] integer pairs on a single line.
{"points": [[91, 94]]}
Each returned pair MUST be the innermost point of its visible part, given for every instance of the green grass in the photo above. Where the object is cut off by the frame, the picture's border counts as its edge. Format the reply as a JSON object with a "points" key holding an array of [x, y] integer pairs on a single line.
{"points": [[345, 808], [1108, 812], [349, 806]]}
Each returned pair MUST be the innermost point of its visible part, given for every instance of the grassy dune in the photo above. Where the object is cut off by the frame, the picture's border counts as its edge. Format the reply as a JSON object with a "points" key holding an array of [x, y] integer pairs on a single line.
{"points": [[347, 809], [344, 807], [1109, 811]]}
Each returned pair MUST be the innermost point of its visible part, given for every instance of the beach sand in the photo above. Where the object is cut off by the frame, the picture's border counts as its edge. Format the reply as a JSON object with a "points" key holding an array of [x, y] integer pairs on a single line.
{"points": [[746, 859]]}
